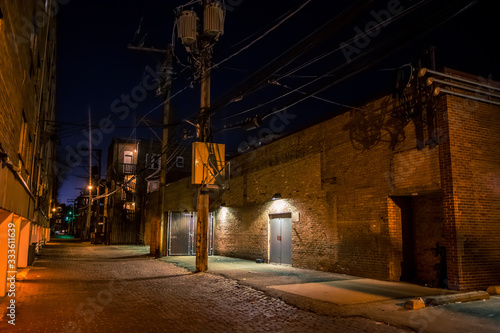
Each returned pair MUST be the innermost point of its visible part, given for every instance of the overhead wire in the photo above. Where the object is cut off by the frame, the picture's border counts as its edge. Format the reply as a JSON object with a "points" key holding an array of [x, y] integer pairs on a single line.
{"points": [[372, 61], [263, 35], [316, 59]]}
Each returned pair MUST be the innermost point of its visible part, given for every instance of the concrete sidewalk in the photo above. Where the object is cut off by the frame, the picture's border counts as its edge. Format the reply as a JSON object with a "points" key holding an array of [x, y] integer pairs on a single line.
{"points": [[338, 294]]}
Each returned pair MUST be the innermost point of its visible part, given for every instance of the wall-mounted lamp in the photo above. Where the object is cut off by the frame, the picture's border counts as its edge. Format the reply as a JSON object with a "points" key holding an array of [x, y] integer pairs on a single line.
{"points": [[276, 196], [222, 205]]}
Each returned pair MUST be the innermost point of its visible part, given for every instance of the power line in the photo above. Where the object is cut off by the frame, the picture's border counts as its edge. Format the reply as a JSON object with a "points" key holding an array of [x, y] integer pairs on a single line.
{"points": [[263, 35]]}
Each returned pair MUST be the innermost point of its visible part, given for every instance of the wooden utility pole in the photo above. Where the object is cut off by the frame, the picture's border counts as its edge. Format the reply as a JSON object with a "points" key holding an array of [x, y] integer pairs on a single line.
{"points": [[161, 229], [198, 43], [202, 206], [89, 186]]}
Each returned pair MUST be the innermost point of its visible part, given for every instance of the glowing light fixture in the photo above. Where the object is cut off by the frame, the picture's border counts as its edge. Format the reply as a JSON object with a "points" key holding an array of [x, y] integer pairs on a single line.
{"points": [[276, 196], [90, 187]]}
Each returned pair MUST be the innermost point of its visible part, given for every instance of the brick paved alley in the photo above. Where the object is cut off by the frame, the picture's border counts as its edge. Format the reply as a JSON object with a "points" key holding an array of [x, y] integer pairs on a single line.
{"points": [[78, 287]]}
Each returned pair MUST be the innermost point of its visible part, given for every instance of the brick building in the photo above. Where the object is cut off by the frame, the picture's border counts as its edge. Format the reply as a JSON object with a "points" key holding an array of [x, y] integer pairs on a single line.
{"points": [[392, 190], [27, 148]]}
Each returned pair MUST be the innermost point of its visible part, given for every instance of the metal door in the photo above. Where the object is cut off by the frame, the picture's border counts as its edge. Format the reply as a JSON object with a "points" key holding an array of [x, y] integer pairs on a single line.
{"points": [[180, 233], [192, 235], [280, 240]]}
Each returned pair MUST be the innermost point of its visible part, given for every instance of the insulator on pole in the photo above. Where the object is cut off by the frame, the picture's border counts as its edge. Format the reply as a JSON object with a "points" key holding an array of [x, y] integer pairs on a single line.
{"points": [[213, 20], [186, 27]]}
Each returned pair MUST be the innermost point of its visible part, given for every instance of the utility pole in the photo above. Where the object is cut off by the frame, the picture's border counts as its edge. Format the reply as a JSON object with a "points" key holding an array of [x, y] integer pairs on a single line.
{"points": [[199, 44], [158, 229], [202, 203], [89, 211], [161, 228], [90, 187]]}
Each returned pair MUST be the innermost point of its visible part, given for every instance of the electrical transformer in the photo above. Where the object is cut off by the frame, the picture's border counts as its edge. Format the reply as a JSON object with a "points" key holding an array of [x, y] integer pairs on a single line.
{"points": [[213, 20], [186, 27]]}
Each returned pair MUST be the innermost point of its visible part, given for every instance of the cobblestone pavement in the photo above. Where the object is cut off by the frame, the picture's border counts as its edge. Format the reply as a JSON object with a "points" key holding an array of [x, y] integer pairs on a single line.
{"points": [[78, 287]]}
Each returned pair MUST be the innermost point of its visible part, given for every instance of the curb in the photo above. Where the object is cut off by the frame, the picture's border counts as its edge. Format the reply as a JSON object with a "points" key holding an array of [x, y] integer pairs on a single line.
{"points": [[456, 298], [493, 290]]}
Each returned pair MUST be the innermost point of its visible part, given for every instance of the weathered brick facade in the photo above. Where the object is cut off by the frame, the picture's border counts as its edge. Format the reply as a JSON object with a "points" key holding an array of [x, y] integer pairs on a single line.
{"points": [[470, 165], [27, 141], [367, 198]]}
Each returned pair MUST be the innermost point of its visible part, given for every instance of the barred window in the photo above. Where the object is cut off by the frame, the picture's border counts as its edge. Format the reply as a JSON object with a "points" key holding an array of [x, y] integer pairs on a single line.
{"points": [[153, 161]]}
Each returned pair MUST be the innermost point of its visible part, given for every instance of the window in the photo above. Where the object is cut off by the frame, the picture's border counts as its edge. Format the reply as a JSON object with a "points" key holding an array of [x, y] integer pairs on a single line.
{"points": [[24, 140], [129, 183], [153, 161], [179, 162], [153, 185], [128, 163], [128, 157]]}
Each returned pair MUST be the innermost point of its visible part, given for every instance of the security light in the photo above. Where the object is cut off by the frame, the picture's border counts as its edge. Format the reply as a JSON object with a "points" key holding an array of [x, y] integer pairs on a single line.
{"points": [[276, 196]]}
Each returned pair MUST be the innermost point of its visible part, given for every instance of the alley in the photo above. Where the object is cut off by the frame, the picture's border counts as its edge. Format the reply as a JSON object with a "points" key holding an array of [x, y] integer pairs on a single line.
{"points": [[78, 287]]}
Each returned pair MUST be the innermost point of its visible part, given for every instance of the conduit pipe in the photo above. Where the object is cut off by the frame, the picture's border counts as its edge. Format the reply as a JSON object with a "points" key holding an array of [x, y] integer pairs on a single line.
{"points": [[431, 80], [424, 71], [438, 90]]}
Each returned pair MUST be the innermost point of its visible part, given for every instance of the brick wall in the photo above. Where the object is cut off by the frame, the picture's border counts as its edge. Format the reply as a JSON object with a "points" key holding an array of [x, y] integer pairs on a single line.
{"points": [[338, 175], [470, 166], [365, 201], [27, 97]]}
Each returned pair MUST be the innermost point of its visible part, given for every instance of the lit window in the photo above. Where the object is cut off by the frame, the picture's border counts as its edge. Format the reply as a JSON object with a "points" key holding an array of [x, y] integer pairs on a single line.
{"points": [[128, 157]]}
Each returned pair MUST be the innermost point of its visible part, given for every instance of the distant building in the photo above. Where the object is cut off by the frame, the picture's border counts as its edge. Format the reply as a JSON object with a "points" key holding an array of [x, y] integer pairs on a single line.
{"points": [[401, 188], [81, 210], [28, 184], [83, 227], [132, 165]]}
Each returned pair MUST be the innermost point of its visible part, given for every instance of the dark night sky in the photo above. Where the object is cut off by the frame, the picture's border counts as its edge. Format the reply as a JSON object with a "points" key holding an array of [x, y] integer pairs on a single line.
{"points": [[95, 68]]}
